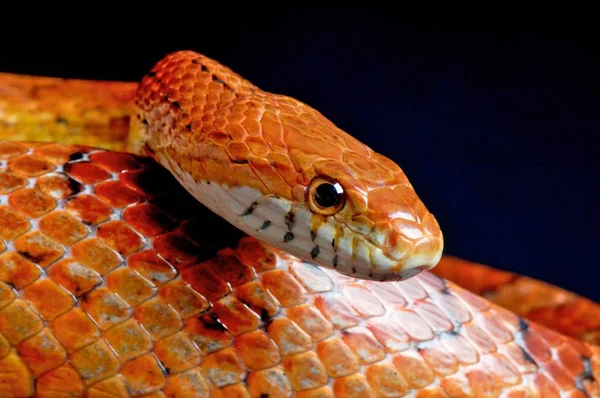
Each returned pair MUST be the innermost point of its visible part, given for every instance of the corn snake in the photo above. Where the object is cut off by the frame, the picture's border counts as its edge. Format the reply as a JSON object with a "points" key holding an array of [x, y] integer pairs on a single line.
{"points": [[254, 320]]}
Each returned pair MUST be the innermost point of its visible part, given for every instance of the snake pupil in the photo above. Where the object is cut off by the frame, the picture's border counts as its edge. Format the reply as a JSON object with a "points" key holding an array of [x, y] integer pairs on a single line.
{"points": [[327, 195]]}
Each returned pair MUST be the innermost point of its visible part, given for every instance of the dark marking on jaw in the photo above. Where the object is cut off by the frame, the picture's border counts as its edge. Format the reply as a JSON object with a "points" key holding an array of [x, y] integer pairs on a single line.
{"points": [[265, 225], [354, 270], [315, 252], [250, 209], [288, 237], [289, 219], [313, 235], [335, 261], [333, 243]]}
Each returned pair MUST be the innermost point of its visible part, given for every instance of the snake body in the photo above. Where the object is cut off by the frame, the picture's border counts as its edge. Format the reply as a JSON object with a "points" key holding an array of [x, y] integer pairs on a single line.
{"points": [[213, 239]]}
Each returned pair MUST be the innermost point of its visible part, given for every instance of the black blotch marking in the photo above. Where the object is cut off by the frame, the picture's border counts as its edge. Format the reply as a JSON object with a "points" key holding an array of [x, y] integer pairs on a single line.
{"points": [[354, 270], [176, 104], [288, 237], [523, 326], [333, 243], [167, 371], [61, 120], [289, 219], [145, 121], [335, 261], [264, 395], [250, 209], [315, 252], [266, 225], [265, 317], [74, 186], [211, 321], [528, 356], [313, 235], [243, 161], [29, 256], [217, 80], [75, 156], [189, 127]]}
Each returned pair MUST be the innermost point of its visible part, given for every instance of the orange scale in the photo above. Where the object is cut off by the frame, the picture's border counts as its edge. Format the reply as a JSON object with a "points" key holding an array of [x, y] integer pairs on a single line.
{"points": [[29, 166], [75, 329], [183, 298], [42, 352], [143, 375], [31, 202], [62, 227], [305, 371], [117, 235], [257, 350], [116, 194], [88, 209], [288, 336], [10, 182], [208, 334], [48, 299], [12, 224], [268, 383], [95, 362], [86, 172], [177, 353], [223, 367]]}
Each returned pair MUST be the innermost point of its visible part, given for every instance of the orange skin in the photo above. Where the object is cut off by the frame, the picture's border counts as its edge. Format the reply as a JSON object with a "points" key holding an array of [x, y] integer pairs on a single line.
{"points": [[242, 318]]}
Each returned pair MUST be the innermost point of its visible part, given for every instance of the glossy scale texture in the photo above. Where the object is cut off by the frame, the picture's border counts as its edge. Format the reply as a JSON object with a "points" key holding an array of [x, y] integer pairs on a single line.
{"points": [[97, 113], [115, 282]]}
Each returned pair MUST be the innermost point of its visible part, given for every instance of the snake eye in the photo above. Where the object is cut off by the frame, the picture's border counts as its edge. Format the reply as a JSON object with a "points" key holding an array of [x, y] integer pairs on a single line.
{"points": [[325, 196]]}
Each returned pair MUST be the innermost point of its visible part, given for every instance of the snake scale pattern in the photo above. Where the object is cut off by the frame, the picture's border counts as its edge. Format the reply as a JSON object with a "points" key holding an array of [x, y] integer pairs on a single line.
{"points": [[194, 236]]}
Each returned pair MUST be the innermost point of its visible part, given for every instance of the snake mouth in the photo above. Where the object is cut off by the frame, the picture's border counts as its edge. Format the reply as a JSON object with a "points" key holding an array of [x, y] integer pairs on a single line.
{"points": [[292, 227], [382, 255]]}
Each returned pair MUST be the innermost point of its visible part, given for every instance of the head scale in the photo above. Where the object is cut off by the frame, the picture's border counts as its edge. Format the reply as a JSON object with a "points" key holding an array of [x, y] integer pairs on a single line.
{"points": [[282, 172]]}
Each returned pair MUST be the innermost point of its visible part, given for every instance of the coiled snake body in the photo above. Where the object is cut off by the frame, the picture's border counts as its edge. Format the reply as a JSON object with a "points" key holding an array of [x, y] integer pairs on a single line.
{"points": [[193, 235]]}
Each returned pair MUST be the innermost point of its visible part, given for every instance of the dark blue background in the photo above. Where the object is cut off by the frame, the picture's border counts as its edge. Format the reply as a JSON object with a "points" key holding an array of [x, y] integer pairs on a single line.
{"points": [[495, 120]]}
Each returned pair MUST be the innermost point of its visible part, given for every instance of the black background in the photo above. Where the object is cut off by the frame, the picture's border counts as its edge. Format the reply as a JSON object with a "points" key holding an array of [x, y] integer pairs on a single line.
{"points": [[494, 119]]}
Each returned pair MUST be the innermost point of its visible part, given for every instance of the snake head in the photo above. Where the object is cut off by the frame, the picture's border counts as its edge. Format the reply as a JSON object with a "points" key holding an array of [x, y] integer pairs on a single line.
{"points": [[282, 172]]}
